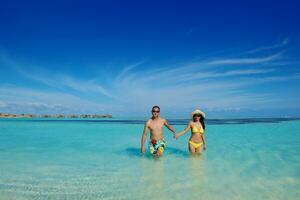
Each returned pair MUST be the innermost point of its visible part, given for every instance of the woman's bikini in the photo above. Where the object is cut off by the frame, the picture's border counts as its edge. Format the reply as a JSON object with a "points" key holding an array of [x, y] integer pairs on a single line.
{"points": [[194, 131]]}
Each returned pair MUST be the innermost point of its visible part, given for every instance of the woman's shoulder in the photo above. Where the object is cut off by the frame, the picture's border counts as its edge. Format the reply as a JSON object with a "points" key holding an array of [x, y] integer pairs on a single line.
{"points": [[195, 124]]}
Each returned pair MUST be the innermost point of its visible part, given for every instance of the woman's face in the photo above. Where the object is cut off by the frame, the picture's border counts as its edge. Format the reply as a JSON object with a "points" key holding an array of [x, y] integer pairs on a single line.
{"points": [[197, 118]]}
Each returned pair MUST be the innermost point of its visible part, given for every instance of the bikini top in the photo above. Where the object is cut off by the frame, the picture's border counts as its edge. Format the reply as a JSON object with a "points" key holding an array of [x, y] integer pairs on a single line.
{"points": [[197, 130]]}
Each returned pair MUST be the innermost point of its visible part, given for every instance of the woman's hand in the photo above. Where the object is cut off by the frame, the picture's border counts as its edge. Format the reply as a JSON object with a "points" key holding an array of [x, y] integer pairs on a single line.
{"points": [[176, 136]]}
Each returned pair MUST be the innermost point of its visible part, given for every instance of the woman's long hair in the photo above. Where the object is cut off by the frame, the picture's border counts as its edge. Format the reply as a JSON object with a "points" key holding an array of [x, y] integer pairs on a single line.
{"points": [[202, 119], [202, 122]]}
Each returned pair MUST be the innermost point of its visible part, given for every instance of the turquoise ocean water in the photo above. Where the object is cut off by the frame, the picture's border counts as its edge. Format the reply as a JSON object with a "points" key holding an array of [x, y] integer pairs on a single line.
{"points": [[86, 159]]}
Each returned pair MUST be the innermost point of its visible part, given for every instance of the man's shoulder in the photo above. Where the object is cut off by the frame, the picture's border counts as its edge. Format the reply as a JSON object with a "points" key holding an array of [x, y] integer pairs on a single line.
{"points": [[163, 120], [148, 121], [160, 120]]}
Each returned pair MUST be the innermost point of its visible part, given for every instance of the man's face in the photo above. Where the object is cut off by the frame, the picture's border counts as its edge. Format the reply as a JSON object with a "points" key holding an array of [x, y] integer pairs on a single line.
{"points": [[155, 112]]}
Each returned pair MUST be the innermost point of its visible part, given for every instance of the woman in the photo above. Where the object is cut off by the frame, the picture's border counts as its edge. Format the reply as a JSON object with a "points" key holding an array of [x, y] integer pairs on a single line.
{"points": [[197, 127]]}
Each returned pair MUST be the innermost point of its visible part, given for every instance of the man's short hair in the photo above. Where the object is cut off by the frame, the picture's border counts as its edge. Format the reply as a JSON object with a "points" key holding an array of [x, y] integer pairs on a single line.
{"points": [[156, 107]]}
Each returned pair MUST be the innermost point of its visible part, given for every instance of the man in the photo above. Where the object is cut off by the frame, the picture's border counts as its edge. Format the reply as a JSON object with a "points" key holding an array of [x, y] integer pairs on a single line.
{"points": [[155, 124]]}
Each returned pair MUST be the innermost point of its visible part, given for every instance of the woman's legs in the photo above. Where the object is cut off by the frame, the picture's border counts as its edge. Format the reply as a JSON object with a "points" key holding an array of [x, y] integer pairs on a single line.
{"points": [[199, 150], [192, 149], [195, 148]]}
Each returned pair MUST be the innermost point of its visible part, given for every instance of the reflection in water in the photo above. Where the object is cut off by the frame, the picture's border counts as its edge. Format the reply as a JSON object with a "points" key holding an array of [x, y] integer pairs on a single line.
{"points": [[196, 174], [152, 177], [177, 152], [177, 174], [133, 151]]}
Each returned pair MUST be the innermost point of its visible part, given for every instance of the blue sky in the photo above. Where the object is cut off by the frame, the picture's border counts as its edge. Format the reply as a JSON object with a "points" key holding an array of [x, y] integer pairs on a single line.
{"points": [[231, 59]]}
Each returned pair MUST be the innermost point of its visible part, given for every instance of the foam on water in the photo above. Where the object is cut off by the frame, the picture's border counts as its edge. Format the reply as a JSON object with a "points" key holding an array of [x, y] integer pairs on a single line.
{"points": [[101, 160]]}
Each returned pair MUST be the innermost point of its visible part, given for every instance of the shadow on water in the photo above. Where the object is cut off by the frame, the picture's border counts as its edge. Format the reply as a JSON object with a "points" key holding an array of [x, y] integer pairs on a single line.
{"points": [[135, 152], [180, 152]]}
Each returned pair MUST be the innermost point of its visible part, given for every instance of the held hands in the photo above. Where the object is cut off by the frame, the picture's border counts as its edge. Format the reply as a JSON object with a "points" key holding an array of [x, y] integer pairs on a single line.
{"points": [[176, 136]]}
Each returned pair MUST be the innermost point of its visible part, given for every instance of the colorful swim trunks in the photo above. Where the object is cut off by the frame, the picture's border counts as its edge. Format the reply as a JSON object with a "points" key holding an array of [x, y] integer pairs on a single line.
{"points": [[157, 145]]}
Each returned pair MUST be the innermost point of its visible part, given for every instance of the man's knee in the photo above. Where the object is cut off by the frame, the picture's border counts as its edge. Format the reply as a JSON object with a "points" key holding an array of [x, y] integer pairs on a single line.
{"points": [[158, 153]]}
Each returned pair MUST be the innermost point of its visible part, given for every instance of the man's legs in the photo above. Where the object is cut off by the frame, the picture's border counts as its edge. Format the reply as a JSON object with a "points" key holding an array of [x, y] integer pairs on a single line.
{"points": [[158, 153], [160, 150]]}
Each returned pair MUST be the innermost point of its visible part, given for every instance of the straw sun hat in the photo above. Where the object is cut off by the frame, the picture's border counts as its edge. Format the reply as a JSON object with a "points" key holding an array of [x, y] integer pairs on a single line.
{"points": [[197, 111]]}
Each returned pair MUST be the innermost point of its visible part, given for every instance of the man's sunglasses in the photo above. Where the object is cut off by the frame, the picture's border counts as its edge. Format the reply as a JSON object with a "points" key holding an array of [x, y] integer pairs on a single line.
{"points": [[155, 111]]}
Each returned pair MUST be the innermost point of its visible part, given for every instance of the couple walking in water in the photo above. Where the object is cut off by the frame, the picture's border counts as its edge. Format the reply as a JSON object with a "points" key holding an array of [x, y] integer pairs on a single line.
{"points": [[157, 143]]}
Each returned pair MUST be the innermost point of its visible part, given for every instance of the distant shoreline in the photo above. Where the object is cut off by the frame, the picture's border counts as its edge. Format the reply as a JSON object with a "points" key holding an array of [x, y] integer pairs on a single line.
{"points": [[58, 116], [142, 121]]}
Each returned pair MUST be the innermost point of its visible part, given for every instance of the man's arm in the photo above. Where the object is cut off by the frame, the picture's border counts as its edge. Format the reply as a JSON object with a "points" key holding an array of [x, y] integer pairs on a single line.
{"points": [[169, 126], [146, 127]]}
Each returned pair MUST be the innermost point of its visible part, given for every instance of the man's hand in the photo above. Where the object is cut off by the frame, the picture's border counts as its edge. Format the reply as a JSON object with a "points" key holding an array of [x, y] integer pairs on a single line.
{"points": [[204, 147], [143, 150]]}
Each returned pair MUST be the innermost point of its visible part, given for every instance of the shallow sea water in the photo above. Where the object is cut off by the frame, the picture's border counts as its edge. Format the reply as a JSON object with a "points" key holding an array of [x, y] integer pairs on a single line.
{"points": [[100, 159]]}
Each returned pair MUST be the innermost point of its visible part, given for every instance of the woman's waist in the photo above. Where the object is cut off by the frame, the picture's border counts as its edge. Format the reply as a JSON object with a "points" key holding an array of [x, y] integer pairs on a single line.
{"points": [[195, 138]]}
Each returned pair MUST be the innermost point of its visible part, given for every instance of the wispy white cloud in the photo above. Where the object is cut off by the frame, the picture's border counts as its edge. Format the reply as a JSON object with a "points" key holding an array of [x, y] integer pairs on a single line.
{"points": [[260, 80], [201, 70], [212, 83], [240, 61], [85, 86], [271, 47], [39, 101], [229, 73], [128, 69], [40, 75]]}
